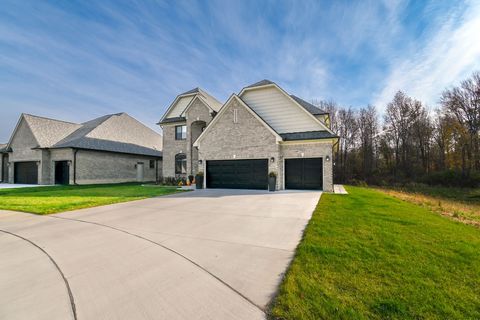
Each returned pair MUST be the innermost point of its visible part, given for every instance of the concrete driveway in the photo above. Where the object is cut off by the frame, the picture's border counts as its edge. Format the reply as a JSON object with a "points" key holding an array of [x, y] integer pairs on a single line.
{"points": [[210, 254]]}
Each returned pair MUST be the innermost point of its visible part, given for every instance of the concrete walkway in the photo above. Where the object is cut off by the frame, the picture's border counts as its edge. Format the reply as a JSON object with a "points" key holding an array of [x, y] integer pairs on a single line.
{"points": [[339, 188], [210, 254], [14, 186]]}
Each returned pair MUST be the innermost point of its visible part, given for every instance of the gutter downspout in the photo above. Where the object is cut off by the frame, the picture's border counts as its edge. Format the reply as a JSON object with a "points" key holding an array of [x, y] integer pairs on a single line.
{"points": [[75, 166]]}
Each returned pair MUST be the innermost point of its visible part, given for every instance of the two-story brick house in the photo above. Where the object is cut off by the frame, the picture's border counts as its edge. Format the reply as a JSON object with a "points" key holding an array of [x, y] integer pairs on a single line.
{"points": [[262, 129]]}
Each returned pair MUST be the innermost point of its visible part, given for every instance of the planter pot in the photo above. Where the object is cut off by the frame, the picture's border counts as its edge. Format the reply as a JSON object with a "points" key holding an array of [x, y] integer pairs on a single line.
{"points": [[199, 181], [272, 181]]}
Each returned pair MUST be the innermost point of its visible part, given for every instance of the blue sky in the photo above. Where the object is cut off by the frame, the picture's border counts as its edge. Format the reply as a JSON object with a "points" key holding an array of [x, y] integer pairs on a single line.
{"points": [[76, 60]]}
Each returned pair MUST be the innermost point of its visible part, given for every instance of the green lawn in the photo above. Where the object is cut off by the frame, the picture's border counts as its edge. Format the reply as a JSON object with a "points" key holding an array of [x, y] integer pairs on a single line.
{"points": [[368, 255], [45, 200]]}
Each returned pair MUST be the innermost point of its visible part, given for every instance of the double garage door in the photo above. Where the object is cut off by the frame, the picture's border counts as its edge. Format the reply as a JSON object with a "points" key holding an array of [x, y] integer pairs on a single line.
{"points": [[237, 174], [303, 173], [26, 172]]}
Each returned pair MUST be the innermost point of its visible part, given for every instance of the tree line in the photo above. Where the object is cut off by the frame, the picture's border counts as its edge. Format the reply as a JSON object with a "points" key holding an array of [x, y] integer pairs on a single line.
{"points": [[410, 142]]}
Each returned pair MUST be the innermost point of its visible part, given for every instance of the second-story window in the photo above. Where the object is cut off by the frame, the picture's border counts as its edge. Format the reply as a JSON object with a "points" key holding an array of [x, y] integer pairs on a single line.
{"points": [[180, 132]]}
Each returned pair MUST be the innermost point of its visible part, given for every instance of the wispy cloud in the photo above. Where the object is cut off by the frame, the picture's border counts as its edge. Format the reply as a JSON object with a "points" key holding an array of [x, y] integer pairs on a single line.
{"points": [[80, 60], [451, 53]]}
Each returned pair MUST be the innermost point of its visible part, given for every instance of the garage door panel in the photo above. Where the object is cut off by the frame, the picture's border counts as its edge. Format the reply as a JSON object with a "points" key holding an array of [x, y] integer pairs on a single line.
{"points": [[237, 174], [304, 173], [26, 172]]}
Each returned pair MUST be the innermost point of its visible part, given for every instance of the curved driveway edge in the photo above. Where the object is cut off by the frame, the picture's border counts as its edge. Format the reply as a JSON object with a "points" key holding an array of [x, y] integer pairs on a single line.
{"points": [[231, 249], [31, 281]]}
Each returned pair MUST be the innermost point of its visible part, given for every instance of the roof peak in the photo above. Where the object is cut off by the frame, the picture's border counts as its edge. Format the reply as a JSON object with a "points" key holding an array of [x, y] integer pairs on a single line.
{"points": [[194, 90], [47, 118], [260, 83]]}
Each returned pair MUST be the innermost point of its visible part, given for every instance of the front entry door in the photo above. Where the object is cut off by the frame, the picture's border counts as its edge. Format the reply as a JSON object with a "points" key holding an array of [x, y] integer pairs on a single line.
{"points": [[62, 172]]}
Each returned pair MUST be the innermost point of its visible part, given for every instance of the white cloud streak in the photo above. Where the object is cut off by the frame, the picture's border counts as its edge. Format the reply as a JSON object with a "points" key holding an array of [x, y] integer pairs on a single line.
{"points": [[451, 54]]}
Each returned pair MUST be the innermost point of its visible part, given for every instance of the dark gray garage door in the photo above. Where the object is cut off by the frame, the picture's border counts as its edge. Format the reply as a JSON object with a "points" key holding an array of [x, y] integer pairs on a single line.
{"points": [[26, 172], [237, 174], [304, 174]]}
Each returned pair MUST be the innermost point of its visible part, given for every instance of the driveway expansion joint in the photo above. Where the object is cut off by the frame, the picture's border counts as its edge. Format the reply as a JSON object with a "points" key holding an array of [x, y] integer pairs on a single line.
{"points": [[174, 252], [67, 285]]}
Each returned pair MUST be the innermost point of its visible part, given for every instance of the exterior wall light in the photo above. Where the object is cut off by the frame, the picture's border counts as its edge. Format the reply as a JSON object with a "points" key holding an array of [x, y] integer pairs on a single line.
{"points": [[272, 159], [200, 162], [38, 163], [327, 158]]}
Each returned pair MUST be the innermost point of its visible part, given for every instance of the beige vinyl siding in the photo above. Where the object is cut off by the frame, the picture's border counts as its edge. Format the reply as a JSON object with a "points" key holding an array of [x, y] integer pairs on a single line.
{"points": [[179, 107], [279, 111]]}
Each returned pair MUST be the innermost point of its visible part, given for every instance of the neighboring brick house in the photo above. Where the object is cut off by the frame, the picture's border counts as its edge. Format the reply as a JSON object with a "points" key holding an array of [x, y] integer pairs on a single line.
{"points": [[111, 149], [262, 129]]}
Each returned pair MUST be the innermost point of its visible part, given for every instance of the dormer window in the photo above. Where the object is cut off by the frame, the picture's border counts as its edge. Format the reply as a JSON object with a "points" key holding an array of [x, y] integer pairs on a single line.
{"points": [[180, 132]]}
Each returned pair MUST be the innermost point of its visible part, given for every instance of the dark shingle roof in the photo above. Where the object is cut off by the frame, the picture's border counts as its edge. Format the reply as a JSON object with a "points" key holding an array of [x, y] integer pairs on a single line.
{"points": [[263, 82], [108, 145], [308, 106], [309, 135], [114, 133], [174, 119], [194, 90]]}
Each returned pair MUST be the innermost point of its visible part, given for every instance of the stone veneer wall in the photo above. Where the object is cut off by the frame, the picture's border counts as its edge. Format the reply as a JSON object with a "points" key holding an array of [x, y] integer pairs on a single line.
{"points": [[246, 139]]}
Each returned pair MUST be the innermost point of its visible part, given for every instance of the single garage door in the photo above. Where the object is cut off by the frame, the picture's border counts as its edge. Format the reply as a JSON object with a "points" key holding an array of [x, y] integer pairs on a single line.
{"points": [[237, 174], [26, 172], [304, 174]]}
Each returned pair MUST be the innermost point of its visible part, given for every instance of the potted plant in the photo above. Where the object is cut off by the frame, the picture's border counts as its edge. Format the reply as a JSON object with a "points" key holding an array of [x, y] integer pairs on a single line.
{"points": [[190, 179], [272, 181], [199, 180]]}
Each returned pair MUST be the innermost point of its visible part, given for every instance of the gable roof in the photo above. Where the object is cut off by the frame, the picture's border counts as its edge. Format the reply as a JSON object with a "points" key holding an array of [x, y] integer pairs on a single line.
{"points": [[222, 110], [46, 131], [269, 103], [125, 134], [209, 100], [115, 133], [306, 105]]}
